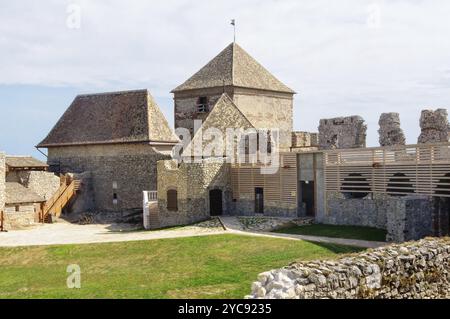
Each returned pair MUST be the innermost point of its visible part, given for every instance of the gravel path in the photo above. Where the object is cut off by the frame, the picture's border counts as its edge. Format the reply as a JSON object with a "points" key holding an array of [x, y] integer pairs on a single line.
{"points": [[66, 233], [61, 233]]}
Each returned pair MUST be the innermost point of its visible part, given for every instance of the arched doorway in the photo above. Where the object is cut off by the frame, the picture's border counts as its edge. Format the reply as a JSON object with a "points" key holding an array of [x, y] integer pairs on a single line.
{"points": [[215, 202]]}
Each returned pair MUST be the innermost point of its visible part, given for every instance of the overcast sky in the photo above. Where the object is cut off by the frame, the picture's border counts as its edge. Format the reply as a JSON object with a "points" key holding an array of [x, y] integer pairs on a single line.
{"points": [[351, 57]]}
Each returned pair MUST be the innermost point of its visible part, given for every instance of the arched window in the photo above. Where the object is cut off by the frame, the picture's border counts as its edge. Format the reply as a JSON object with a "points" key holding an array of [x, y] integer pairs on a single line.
{"points": [[355, 186], [172, 200], [399, 183]]}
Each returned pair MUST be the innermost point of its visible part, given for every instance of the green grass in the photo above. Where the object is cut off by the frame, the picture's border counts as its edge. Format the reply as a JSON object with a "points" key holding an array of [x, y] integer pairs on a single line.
{"points": [[348, 232], [221, 266]]}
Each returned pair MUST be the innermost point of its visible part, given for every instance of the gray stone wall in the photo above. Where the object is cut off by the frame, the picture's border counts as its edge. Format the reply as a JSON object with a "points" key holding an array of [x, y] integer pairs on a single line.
{"points": [[434, 126], [193, 182], [413, 270], [404, 218], [2, 180], [123, 169], [186, 110], [390, 131], [410, 218], [342, 132], [357, 212]]}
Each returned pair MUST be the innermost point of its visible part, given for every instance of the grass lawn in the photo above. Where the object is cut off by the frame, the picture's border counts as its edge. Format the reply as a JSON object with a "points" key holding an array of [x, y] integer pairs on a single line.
{"points": [[220, 266], [348, 232]]}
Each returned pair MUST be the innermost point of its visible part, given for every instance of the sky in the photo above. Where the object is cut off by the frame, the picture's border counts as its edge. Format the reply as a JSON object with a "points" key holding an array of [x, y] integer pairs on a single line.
{"points": [[346, 57]]}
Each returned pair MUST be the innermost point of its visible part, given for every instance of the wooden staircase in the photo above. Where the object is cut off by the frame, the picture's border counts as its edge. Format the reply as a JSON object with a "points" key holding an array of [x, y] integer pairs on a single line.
{"points": [[55, 205]]}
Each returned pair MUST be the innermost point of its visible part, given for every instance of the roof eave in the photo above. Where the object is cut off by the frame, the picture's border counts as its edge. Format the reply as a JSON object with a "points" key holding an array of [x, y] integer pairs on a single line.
{"points": [[150, 142]]}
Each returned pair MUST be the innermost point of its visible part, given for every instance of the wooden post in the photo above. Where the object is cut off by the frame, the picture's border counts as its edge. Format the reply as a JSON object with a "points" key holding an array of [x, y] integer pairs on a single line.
{"points": [[1, 220]]}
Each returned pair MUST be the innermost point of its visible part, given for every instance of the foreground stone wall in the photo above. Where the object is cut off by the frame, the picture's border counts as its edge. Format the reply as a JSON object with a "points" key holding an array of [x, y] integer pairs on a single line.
{"points": [[412, 270], [119, 173], [390, 131], [342, 132], [2, 180], [434, 126]]}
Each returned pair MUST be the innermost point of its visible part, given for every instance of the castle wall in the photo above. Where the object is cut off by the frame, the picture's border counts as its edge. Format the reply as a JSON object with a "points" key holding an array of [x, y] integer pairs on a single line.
{"points": [[267, 110], [192, 181], [118, 173], [342, 132], [186, 110]]}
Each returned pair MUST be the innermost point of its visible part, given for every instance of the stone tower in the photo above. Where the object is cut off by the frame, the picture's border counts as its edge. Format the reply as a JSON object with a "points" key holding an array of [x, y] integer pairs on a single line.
{"points": [[265, 101]]}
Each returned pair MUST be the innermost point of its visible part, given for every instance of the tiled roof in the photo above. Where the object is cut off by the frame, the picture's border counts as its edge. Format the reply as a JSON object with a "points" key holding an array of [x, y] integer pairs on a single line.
{"points": [[24, 162], [105, 118], [234, 67], [18, 194]]}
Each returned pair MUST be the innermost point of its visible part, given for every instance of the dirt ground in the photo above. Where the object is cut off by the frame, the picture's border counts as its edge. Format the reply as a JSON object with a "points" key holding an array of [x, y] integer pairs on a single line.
{"points": [[63, 232]]}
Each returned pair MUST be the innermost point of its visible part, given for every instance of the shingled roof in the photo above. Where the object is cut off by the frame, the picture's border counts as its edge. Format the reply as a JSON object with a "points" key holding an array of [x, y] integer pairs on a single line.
{"points": [[234, 67], [24, 162], [16, 193], [106, 118]]}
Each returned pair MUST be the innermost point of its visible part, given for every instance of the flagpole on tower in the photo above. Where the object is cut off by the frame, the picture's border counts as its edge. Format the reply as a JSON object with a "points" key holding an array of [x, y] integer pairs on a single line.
{"points": [[233, 23]]}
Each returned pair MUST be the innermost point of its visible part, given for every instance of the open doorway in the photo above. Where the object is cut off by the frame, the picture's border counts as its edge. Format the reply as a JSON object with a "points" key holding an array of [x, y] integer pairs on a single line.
{"points": [[215, 202], [307, 188], [259, 200]]}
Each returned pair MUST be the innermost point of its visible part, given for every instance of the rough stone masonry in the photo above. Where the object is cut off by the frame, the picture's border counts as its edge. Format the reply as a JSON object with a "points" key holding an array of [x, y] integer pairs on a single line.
{"points": [[342, 132], [390, 131], [434, 126], [414, 270]]}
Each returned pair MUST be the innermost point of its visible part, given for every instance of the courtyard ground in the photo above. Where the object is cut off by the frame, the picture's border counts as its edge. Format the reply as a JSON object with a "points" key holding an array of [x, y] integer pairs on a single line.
{"points": [[221, 266]]}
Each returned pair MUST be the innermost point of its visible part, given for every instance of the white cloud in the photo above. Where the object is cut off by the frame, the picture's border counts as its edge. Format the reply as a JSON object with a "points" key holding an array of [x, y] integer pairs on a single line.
{"points": [[323, 49]]}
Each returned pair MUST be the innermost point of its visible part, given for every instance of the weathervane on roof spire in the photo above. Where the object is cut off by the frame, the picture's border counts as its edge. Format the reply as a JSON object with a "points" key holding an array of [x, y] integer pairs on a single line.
{"points": [[233, 23]]}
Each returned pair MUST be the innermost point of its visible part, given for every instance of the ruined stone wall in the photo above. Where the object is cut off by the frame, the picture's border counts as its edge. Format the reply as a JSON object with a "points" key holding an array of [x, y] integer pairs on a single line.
{"points": [[390, 131], [304, 139], [2, 180], [45, 184], [123, 169], [192, 181], [268, 111], [413, 270], [434, 126], [342, 132]]}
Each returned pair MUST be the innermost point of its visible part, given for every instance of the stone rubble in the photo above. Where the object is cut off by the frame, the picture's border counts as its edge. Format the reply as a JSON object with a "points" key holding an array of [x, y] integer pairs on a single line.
{"points": [[267, 224], [434, 126], [412, 270], [390, 131], [342, 132]]}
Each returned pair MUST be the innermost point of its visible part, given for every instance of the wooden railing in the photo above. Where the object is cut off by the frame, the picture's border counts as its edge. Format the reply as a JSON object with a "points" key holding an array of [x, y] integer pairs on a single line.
{"points": [[55, 205]]}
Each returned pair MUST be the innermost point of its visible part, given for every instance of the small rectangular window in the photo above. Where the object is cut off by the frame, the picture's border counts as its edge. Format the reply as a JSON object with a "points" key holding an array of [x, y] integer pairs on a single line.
{"points": [[202, 105], [17, 208]]}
